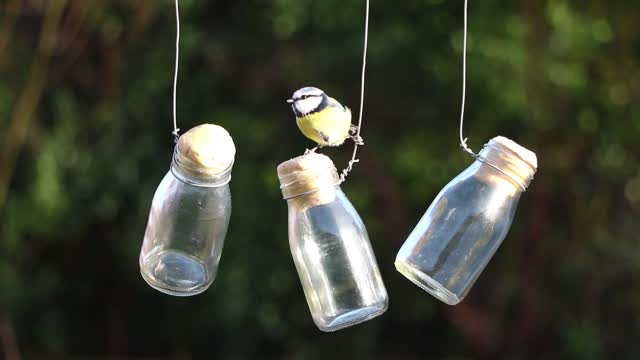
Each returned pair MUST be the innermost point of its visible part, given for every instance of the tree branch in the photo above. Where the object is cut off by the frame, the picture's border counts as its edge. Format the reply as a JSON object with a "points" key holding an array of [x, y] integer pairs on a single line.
{"points": [[8, 340], [29, 99]]}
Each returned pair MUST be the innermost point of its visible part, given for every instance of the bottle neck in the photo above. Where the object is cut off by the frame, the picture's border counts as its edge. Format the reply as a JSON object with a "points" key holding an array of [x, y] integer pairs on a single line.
{"points": [[193, 174], [307, 182], [508, 164]]}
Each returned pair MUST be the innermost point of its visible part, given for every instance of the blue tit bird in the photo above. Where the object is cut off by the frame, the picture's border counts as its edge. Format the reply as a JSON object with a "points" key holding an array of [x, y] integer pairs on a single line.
{"points": [[322, 118]]}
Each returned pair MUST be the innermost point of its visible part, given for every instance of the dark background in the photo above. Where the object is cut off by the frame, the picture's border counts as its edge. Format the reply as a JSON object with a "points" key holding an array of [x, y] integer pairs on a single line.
{"points": [[85, 122]]}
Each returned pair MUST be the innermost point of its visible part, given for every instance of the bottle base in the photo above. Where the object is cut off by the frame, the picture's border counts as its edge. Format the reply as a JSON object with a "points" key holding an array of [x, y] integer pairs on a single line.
{"points": [[175, 273], [427, 283], [353, 318]]}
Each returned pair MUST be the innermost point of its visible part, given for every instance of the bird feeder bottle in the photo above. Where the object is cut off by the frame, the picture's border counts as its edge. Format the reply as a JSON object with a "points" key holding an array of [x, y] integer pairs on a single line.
{"points": [[467, 222], [330, 246], [190, 214]]}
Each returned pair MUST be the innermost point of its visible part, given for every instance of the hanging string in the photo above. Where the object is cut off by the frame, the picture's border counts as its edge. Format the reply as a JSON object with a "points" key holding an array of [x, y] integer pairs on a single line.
{"points": [[463, 140], [357, 138], [175, 75]]}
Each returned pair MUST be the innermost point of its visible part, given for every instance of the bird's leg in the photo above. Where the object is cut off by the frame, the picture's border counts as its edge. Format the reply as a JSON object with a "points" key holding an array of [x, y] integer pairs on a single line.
{"points": [[357, 139], [307, 152], [353, 132]]}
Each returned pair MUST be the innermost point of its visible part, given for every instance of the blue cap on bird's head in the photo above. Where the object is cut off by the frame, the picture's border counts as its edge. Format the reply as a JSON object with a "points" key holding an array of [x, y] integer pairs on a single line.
{"points": [[304, 93]]}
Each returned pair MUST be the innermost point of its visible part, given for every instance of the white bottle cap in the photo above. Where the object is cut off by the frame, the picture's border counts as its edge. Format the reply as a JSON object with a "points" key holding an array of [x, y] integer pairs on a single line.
{"points": [[526, 154], [311, 177], [206, 151], [512, 160]]}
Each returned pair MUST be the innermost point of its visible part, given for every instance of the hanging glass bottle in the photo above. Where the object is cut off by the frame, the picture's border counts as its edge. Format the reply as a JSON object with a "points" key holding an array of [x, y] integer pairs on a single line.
{"points": [[330, 246], [467, 222], [190, 214]]}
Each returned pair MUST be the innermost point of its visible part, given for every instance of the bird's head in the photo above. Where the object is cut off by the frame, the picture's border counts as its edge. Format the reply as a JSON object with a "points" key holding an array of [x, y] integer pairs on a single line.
{"points": [[307, 100]]}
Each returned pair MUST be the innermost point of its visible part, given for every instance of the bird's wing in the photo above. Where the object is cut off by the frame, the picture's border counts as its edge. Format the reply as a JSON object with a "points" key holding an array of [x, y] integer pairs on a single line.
{"points": [[336, 104], [348, 111], [324, 137], [338, 120]]}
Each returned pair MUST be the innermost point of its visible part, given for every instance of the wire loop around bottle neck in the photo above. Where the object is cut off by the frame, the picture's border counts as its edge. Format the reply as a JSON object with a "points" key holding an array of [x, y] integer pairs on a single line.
{"points": [[495, 167], [307, 182], [509, 163]]}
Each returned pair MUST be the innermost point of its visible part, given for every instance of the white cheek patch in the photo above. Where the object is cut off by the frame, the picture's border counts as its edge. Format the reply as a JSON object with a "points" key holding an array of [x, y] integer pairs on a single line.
{"points": [[307, 105]]}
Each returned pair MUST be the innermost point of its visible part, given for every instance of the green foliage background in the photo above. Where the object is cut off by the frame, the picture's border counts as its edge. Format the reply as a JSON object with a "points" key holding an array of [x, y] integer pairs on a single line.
{"points": [[85, 112]]}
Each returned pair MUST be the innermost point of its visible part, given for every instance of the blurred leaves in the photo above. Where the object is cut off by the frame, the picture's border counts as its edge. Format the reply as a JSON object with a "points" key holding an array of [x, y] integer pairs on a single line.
{"points": [[560, 77]]}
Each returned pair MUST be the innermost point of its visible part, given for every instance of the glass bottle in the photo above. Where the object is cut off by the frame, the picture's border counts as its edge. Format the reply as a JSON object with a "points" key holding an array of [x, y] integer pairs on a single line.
{"points": [[330, 246], [190, 214], [467, 222]]}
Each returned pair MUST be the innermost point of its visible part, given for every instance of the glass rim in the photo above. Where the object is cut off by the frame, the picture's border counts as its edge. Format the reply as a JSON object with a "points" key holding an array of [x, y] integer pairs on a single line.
{"points": [[193, 176], [290, 180]]}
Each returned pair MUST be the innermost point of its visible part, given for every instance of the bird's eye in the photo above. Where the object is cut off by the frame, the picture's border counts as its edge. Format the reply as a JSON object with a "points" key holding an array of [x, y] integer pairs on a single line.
{"points": [[304, 96]]}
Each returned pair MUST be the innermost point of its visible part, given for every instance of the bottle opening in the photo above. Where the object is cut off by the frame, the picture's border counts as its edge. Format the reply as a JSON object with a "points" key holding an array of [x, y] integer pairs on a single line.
{"points": [[192, 173], [204, 156], [512, 160], [307, 174]]}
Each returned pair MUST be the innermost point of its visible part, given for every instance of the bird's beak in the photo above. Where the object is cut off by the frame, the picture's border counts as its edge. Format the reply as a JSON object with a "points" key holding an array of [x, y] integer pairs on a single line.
{"points": [[290, 101]]}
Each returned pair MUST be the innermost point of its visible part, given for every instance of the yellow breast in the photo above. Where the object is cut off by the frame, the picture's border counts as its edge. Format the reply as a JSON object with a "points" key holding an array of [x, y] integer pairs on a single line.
{"points": [[328, 127]]}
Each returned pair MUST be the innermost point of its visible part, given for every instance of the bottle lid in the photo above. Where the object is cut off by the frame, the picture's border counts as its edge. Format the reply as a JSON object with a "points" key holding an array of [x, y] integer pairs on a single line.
{"points": [[312, 174], [206, 153], [513, 160]]}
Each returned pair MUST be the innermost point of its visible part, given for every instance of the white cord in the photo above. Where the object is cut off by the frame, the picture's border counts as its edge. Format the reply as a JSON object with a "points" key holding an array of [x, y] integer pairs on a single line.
{"points": [[175, 75], [357, 138], [463, 140]]}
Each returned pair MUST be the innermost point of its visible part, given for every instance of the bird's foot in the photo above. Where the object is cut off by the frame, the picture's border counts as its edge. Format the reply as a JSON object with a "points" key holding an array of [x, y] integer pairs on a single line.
{"points": [[307, 152], [353, 130], [357, 139]]}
